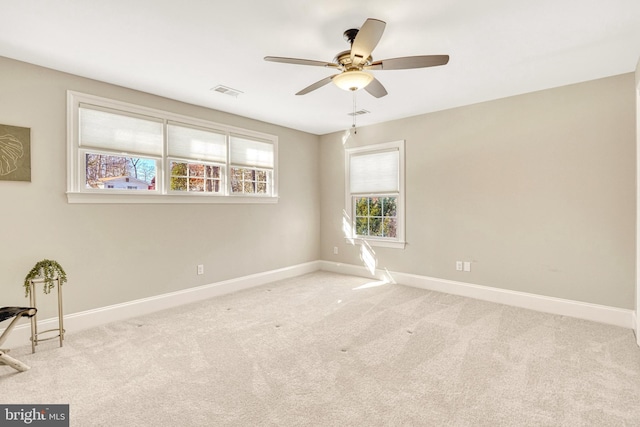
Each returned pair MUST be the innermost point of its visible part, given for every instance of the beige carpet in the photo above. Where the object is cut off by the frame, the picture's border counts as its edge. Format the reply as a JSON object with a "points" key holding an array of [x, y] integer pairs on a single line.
{"points": [[328, 350]]}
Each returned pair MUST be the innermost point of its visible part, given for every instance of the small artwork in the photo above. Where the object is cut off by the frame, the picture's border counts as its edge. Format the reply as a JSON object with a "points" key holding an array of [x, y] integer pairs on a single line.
{"points": [[15, 153]]}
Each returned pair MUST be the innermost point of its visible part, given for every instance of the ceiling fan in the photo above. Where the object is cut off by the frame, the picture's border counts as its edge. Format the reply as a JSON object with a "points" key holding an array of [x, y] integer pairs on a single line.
{"points": [[353, 64]]}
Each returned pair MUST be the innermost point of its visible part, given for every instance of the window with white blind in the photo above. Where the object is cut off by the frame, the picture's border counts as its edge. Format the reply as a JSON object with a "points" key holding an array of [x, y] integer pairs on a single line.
{"points": [[375, 194], [251, 165], [124, 153], [197, 159]]}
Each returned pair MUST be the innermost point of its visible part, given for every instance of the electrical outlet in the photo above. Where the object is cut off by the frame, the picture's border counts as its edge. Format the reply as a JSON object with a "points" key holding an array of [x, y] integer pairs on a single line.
{"points": [[467, 266], [200, 269], [335, 250], [458, 265]]}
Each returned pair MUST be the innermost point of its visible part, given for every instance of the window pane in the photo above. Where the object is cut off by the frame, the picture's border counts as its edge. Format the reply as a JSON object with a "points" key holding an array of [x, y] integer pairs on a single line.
{"points": [[375, 207], [196, 170], [179, 184], [178, 169], [246, 174], [104, 171], [213, 186], [389, 227], [236, 180], [362, 206], [196, 184], [362, 226], [248, 187], [213, 171], [389, 206], [375, 226]]}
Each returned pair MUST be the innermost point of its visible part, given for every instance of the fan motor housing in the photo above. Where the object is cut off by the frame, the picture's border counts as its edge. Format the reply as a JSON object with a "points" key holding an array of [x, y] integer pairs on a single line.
{"points": [[344, 59]]}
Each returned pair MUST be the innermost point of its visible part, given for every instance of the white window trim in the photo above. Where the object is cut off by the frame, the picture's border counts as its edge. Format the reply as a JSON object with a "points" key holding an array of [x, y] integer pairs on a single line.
{"points": [[399, 242], [76, 193]]}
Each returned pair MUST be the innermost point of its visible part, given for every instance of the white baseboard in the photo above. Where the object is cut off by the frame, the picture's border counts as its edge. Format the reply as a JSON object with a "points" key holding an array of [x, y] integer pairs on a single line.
{"points": [[581, 310], [636, 325], [100, 316], [75, 322]]}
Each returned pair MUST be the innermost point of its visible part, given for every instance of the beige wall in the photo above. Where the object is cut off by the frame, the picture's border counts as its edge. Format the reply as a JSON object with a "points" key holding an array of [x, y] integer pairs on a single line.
{"points": [[118, 253], [537, 190], [637, 95]]}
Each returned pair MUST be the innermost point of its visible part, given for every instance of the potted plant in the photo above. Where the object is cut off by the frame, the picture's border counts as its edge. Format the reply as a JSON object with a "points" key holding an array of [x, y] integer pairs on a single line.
{"points": [[48, 270]]}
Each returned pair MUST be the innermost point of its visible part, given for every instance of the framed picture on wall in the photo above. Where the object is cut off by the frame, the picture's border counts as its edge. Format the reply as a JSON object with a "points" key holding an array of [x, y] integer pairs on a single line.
{"points": [[15, 153]]}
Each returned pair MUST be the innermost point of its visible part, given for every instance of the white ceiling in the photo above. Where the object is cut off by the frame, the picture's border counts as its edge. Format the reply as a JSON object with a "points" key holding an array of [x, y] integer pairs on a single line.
{"points": [[181, 49]]}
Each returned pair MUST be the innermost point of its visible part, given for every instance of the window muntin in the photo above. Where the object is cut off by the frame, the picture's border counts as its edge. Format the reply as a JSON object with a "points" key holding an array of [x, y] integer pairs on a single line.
{"points": [[375, 194], [181, 155]]}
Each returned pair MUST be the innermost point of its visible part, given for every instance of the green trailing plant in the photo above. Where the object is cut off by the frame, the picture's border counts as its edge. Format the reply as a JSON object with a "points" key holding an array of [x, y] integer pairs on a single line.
{"points": [[48, 270]]}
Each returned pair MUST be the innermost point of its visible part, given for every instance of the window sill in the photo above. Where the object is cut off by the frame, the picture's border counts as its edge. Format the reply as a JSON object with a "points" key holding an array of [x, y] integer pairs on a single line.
{"points": [[128, 198], [377, 243]]}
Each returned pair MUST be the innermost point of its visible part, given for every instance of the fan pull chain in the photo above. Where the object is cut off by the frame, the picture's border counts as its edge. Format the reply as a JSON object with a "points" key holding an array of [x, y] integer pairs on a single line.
{"points": [[353, 126]]}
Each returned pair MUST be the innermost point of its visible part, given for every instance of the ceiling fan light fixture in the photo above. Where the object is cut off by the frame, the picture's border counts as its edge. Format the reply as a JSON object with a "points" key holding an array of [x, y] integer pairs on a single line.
{"points": [[352, 80]]}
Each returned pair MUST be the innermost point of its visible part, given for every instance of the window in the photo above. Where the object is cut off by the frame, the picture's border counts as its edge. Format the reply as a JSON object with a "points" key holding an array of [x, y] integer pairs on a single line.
{"points": [[375, 194], [124, 153], [376, 216], [251, 166], [110, 171], [198, 177], [197, 159]]}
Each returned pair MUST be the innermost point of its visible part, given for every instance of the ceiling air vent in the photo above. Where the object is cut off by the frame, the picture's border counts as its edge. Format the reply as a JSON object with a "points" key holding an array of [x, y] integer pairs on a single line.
{"points": [[227, 91], [358, 113]]}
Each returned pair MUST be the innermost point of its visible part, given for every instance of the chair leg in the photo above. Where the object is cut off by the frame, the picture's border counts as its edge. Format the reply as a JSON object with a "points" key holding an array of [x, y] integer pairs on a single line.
{"points": [[5, 359], [17, 313]]}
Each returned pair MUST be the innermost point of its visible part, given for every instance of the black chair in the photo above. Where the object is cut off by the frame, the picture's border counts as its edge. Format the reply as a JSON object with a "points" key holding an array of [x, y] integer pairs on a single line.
{"points": [[16, 313]]}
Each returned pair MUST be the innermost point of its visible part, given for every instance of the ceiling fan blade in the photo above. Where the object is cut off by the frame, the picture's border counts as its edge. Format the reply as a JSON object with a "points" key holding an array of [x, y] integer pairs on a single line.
{"points": [[300, 61], [408, 62], [366, 40], [375, 88], [316, 85]]}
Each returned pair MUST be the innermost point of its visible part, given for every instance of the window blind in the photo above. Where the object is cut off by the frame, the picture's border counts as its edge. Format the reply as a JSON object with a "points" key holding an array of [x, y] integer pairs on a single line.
{"points": [[374, 172], [190, 143], [102, 129], [248, 152]]}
